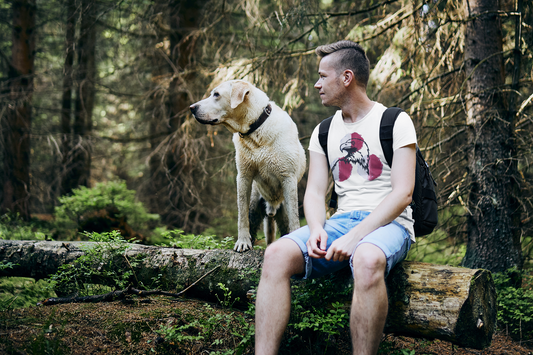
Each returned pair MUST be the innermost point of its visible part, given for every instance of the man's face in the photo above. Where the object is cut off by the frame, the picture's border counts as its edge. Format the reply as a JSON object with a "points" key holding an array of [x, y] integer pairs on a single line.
{"points": [[329, 85]]}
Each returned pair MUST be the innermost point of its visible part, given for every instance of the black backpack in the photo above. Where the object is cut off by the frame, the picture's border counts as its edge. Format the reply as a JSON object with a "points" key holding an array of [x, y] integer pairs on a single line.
{"points": [[424, 203]]}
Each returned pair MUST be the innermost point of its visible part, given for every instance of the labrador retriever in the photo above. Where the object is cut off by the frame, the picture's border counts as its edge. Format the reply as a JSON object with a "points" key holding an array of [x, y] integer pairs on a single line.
{"points": [[270, 159]]}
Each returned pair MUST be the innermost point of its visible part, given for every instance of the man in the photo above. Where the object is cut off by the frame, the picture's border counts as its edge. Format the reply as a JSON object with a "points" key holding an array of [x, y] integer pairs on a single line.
{"points": [[372, 229]]}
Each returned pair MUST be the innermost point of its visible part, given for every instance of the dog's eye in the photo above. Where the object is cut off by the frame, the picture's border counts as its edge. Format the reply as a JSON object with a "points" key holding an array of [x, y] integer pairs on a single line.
{"points": [[216, 94]]}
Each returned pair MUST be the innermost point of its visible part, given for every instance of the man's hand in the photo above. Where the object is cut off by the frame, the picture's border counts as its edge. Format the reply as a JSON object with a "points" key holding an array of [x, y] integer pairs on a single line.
{"points": [[316, 244], [342, 248]]}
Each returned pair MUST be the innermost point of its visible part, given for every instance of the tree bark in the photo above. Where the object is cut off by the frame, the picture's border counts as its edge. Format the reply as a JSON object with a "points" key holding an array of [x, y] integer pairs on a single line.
{"points": [[80, 168], [493, 242], [17, 125], [67, 182], [431, 301]]}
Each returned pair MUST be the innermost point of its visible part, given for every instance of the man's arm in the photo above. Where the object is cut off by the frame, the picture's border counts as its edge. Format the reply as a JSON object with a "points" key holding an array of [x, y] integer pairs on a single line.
{"points": [[403, 182], [314, 204]]}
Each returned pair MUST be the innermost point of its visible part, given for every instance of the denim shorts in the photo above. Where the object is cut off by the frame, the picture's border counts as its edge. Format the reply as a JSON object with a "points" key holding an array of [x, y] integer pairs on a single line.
{"points": [[393, 239]]}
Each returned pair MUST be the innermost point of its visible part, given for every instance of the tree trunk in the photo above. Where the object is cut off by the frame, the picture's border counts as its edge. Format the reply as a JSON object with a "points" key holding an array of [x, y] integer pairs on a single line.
{"points": [[85, 93], [17, 126], [493, 243], [67, 182], [172, 171], [157, 114], [432, 301]]}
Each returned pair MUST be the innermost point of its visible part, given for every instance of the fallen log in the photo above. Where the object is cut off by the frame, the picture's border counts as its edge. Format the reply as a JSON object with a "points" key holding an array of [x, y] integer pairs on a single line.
{"points": [[442, 302], [173, 268], [425, 300]]}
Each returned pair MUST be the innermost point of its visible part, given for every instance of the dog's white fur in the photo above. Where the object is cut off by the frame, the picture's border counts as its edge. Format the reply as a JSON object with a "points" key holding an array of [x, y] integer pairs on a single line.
{"points": [[270, 161]]}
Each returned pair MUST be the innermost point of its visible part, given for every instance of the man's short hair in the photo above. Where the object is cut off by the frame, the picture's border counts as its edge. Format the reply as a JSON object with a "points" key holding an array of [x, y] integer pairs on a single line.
{"points": [[350, 56]]}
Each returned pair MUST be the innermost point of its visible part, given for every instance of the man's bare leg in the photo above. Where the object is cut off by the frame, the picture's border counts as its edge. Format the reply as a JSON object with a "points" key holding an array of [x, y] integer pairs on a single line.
{"points": [[283, 259], [370, 303]]}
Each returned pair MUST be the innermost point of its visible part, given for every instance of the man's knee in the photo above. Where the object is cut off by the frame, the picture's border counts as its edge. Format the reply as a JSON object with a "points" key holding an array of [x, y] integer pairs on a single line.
{"points": [[283, 256], [369, 263]]}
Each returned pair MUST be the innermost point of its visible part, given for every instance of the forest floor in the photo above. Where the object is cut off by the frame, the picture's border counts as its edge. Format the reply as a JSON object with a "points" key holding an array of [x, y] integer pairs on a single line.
{"points": [[137, 326]]}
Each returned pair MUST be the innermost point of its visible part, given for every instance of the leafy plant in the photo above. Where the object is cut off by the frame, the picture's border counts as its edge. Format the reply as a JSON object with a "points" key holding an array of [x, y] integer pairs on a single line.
{"points": [[102, 268], [175, 333], [7, 265], [103, 195], [317, 317], [226, 300], [205, 327], [515, 303], [326, 321]]}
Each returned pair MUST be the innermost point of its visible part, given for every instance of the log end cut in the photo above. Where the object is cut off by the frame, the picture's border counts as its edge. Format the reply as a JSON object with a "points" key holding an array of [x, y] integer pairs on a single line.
{"points": [[441, 302], [477, 320]]}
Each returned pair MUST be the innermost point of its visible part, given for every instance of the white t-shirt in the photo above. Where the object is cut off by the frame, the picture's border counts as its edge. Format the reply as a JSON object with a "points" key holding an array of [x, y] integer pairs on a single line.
{"points": [[357, 162]]}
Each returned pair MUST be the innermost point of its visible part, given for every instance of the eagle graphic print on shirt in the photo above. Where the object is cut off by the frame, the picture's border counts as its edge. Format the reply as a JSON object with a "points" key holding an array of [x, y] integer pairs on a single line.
{"points": [[356, 157]]}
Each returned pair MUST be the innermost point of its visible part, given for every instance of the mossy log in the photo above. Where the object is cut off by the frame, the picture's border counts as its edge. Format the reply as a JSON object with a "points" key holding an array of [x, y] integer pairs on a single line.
{"points": [[174, 269], [425, 300]]}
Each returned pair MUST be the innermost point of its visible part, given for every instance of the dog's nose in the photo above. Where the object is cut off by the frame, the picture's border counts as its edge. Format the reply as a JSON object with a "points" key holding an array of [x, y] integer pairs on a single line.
{"points": [[193, 109]]}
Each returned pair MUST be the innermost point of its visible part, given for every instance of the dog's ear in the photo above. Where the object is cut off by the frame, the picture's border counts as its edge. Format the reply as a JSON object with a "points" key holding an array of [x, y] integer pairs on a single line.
{"points": [[238, 91]]}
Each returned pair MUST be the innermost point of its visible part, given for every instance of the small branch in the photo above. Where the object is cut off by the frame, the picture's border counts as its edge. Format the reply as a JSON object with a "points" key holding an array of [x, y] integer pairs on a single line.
{"points": [[200, 279], [134, 274], [119, 295]]}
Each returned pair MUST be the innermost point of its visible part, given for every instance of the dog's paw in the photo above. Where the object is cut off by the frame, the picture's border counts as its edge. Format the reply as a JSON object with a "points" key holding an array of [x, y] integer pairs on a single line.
{"points": [[242, 245]]}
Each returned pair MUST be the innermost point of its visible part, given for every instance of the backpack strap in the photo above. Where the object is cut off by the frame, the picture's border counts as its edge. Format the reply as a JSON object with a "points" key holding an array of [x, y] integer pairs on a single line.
{"points": [[323, 131], [385, 131]]}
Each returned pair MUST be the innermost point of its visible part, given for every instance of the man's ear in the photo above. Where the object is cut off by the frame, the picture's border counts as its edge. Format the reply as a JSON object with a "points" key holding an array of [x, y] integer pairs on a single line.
{"points": [[348, 77], [238, 91]]}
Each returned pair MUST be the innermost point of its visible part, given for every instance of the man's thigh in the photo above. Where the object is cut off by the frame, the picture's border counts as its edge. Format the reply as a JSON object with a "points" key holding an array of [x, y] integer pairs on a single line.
{"points": [[392, 239]]}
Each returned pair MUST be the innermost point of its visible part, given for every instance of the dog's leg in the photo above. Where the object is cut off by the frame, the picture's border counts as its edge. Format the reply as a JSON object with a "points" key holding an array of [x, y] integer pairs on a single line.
{"points": [[270, 229], [282, 220], [257, 212], [290, 195], [244, 189]]}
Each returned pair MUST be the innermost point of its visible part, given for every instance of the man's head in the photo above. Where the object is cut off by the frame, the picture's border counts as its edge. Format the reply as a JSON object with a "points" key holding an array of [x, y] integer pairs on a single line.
{"points": [[347, 55]]}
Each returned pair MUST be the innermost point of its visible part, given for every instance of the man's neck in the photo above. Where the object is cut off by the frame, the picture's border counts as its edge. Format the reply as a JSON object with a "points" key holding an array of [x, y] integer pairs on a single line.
{"points": [[356, 110], [356, 107]]}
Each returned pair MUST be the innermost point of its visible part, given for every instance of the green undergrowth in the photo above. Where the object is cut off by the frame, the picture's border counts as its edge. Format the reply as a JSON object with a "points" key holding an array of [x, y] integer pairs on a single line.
{"points": [[179, 239], [12, 227], [104, 267], [319, 320], [204, 326], [103, 195], [23, 292], [515, 303]]}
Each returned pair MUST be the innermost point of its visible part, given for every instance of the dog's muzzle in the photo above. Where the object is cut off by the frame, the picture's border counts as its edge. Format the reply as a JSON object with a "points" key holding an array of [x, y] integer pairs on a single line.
{"points": [[194, 111]]}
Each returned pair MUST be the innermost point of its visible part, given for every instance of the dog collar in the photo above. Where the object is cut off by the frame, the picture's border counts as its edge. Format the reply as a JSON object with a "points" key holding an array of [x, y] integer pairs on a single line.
{"points": [[266, 112]]}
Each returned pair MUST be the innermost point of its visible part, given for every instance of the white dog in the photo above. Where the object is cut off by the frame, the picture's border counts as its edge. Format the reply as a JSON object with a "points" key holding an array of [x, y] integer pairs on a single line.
{"points": [[270, 159]]}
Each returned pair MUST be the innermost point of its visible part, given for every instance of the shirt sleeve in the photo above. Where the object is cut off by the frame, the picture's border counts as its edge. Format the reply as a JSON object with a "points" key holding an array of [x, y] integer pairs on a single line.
{"points": [[404, 132], [314, 144]]}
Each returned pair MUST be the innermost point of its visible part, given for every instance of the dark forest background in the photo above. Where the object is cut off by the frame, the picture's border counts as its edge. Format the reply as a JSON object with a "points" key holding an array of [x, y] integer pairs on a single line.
{"points": [[98, 92]]}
